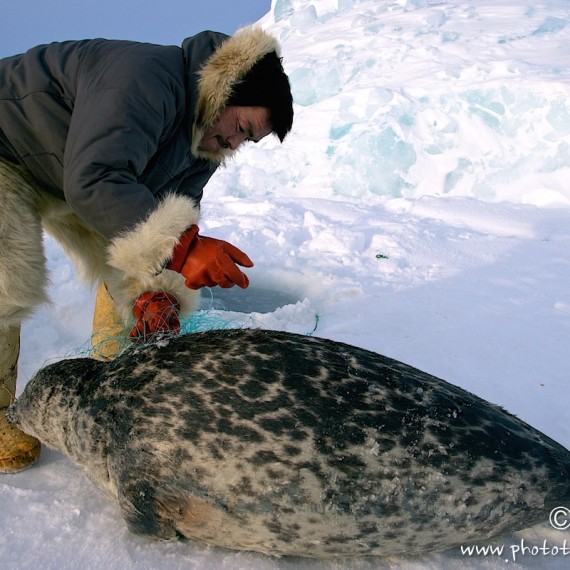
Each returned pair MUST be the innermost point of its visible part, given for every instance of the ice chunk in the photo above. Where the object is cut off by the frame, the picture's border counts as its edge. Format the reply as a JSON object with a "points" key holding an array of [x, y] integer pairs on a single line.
{"points": [[561, 159], [283, 9], [375, 161], [452, 178], [310, 85], [377, 97], [345, 5], [437, 19], [304, 18], [415, 5], [337, 132], [559, 116], [550, 26]]}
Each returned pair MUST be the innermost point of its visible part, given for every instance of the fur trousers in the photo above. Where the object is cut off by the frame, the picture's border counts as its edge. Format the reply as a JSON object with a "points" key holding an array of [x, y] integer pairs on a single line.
{"points": [[129, 264]]}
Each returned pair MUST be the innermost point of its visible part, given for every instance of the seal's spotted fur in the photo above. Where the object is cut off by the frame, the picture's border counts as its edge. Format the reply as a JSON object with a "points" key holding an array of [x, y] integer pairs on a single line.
{"points": [[287, 444]]}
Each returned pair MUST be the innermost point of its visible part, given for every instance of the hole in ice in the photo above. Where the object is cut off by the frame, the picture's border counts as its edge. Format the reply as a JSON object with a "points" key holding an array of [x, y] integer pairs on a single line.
{"points": [[252, 299]]}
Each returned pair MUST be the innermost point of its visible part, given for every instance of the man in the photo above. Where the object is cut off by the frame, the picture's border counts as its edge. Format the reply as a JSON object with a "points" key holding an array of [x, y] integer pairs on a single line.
{"points": [[107, 145]]}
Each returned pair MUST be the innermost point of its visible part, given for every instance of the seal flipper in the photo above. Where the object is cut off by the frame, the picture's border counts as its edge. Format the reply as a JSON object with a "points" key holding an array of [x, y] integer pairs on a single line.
{"points": [[153, 505], [142, 511], [162, 515], [137, 489]]}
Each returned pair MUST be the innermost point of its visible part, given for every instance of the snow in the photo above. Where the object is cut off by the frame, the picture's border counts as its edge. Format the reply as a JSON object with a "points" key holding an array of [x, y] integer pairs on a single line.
{"points": [[420, 208]]}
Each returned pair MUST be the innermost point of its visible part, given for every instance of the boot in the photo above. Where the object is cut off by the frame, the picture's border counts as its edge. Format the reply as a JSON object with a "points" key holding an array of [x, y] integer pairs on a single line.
{"points": [[17, 450], [109, 334]]}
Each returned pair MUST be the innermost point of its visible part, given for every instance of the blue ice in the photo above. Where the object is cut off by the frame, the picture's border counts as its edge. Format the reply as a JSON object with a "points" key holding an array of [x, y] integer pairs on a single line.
{"points": [[313, 84], [377, 160], [302, 19], [559, 116], [283, 9], [550, 26], [337, 132], [452, 178]]}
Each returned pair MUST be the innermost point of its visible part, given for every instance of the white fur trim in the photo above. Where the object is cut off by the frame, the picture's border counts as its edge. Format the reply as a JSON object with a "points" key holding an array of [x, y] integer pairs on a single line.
{"points": [[143, 251], [138, 257]]}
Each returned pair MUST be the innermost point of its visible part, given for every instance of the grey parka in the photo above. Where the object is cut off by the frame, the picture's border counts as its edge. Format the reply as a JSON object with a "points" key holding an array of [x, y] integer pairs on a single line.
{"points": [[106, 125]]}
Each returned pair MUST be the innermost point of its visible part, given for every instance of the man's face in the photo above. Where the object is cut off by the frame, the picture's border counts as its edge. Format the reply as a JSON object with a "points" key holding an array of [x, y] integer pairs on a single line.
{"points": [[236, 125]]}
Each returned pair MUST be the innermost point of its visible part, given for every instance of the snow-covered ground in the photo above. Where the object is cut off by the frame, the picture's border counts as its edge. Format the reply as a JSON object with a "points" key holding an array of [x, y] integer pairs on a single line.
{"points": [[420, 208]]}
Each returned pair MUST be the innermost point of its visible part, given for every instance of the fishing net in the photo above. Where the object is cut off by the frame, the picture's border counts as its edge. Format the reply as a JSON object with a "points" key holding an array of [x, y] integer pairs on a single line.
{"points": [[110, 337]]}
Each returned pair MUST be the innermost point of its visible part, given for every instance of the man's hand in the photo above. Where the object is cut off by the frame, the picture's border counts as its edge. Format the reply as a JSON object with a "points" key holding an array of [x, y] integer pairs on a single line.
{"points": [[206, 262], [157, 315]]}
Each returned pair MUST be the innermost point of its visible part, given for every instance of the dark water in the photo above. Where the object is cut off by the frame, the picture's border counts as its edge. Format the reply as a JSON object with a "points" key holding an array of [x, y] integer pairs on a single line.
{"points": [[252, 299]]}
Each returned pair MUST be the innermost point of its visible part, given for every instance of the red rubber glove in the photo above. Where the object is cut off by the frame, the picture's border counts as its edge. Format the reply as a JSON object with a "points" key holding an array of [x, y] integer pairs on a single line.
{"points": [[206, 262], [157, 315]]}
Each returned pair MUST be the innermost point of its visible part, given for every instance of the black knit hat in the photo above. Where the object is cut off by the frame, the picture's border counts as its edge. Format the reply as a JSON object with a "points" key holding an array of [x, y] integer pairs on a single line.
{"points": [[267, 85]]}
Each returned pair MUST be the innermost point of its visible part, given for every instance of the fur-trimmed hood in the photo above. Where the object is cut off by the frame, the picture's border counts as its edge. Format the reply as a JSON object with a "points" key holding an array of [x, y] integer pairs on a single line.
{"points": [[217, 78]]}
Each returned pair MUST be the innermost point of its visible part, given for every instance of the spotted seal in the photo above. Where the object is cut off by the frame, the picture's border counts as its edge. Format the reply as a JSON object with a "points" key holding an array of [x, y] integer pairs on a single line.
{"points": [[294, 445]]}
